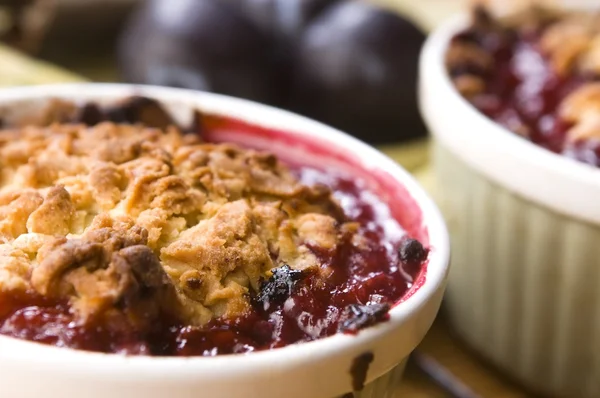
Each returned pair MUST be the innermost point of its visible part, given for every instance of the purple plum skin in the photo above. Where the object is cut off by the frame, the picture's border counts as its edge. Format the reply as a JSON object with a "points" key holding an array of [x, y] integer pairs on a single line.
{"points": [[197, 44], [357, 71]]}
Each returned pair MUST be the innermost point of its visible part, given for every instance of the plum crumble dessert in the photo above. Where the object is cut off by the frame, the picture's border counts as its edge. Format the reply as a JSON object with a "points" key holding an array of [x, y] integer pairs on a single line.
{"points": [[537, 74], [122, 233]]}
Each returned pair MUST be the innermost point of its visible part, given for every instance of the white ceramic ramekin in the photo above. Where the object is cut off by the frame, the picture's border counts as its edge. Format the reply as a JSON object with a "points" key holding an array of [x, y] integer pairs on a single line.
{"points": [[316, 369], [525, 223]]}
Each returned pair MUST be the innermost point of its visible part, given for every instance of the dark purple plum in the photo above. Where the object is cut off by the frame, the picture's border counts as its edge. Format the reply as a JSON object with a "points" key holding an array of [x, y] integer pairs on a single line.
{"points": [[283, 19], [357, 70], [197, 44]]}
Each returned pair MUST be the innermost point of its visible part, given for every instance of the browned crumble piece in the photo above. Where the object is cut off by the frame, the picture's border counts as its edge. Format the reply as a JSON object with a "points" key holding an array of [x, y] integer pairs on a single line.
{"points": [[356, 317]]}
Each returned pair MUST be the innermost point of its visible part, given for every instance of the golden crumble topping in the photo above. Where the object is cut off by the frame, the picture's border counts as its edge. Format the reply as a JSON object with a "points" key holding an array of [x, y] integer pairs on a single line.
{"points": [[582, 109], [138, 220], [573, 47], [573, 43]]}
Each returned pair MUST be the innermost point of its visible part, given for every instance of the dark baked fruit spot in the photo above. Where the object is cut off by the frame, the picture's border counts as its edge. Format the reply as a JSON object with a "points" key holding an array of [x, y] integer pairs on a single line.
{"points": [[276, 289], [412, 251], [194, 283], [146, 111], [356, 317], [90, 114], [135, 110]]}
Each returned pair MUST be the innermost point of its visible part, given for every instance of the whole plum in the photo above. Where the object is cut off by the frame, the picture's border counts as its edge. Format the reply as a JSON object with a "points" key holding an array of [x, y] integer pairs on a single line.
{"points": [[198, 44], [284, 19], [357, 70]]}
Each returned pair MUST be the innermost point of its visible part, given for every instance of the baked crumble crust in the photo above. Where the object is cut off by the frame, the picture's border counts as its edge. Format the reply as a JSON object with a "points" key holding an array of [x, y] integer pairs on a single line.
{"points": [[125, 219], [572, 43]]}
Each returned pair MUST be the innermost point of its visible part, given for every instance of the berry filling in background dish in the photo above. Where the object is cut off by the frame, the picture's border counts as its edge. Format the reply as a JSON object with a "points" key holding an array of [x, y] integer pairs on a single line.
{"points": [[537, 74], [140, 239]]}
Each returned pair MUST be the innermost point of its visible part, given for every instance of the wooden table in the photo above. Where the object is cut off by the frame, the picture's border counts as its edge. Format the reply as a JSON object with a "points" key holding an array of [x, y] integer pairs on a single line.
{"points": [[439, 348]]}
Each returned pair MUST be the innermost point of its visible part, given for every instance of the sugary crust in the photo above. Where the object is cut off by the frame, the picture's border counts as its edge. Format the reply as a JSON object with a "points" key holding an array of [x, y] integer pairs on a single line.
{"points": [[582, 108], [134, 220], [573, 47], [572, 43]]}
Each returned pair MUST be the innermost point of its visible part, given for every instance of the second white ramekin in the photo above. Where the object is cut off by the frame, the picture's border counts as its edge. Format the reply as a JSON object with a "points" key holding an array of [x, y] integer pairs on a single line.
{"points": [[525, 224]]}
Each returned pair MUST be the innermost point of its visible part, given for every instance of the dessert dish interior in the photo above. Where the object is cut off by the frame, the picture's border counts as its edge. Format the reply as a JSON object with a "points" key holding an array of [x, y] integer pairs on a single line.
{"points": [[124, 232], [536, 74]]}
